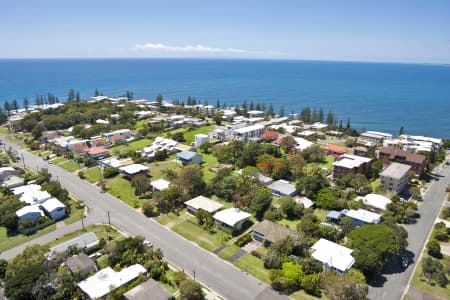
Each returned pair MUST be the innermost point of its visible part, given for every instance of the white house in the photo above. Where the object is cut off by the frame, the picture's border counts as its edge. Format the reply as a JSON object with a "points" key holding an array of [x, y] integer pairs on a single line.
{"points": [[250, 132], [133, 170], [333, 256], [302, 144], [160, 184], [395, 177], [361, 216], [54, 208], [110, 135], [30, 212], [255, 113], [282, 188], [200, 139], [106, 280], [19, 191], [376, 201], [231, 217], [204, 203], [35, 197]]}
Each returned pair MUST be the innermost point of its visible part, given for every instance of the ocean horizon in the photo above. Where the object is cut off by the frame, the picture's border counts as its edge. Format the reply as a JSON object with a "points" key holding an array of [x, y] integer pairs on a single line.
{"points": [[375, 96]]}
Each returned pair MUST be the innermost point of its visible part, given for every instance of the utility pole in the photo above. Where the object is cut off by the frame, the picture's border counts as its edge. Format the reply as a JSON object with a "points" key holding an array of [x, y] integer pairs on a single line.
{"points": [[23, 160], [82, 219], [109, 219], [194, 275]]}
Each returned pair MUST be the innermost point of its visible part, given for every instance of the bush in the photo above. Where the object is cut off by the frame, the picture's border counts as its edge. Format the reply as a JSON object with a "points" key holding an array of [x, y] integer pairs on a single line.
{"points": [[178, 277], [149, 209], [190, 290], [434, 272], [110, 172], [311, 284], [244, 239], [445, 213], [81, 175], [434, 249]]}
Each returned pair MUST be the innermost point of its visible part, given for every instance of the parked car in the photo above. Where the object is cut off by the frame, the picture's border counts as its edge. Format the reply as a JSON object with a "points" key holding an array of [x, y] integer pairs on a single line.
{"points": [[148, 243], [405, 262]]}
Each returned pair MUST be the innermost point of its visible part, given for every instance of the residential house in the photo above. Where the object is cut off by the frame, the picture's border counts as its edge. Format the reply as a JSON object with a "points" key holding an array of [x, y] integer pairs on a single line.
{"points": [[98, 142], [319, 126], [200, 139], [97, 152], [282, 188], [132, 170], [149, 289], [334, 216], [248, 133], [335, 150], [255, 113], [13, 182], [395, 177], [351, 164], [8, 172], [189, 157], [159, 144], [119, 139], [232, 217], [19, 191], [374, 136], [375, 201], [159, 185], [302, 144], [364, 151], [270, 232], [204, 203], [420, 143], [121, 132], [305, 201], [81, 263], [30, 212], [361, 216], [86, 241], [54, 208], [333, 256], [107, 280], [270, 135], [115, 162], [80, 149], [416, 161], [263, 179]]}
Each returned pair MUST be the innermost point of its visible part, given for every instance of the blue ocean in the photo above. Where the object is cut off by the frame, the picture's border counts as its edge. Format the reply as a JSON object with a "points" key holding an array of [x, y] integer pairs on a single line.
{"points": [[374, 96]]}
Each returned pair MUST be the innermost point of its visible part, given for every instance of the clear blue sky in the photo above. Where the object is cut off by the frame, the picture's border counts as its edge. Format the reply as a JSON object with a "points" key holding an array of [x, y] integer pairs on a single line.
{"points": [[394, 30]]}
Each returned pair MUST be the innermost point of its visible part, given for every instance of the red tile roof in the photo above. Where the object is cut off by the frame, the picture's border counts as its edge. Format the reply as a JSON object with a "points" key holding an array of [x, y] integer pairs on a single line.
{"points": [[270, 134], [335, 148], [119, 137], [96, 150]]}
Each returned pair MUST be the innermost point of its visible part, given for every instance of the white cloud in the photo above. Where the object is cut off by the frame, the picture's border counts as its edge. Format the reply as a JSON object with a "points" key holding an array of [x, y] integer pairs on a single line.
{"points": [[202, 49]]}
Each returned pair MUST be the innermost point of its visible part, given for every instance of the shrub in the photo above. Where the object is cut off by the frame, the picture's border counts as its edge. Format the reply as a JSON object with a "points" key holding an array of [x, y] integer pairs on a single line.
{"points": [[110, 172], [149, 209], [257, 254], [243, 239], [434, 249], [178, 277]]}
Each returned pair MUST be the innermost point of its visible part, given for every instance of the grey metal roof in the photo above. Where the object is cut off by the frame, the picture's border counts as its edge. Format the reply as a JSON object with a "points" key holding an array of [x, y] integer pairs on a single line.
{"points": [[395, 170], [148, 290]]}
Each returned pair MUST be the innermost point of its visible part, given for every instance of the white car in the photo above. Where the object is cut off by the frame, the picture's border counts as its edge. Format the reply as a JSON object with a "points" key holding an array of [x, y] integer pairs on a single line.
{"points": [[148, 243]]}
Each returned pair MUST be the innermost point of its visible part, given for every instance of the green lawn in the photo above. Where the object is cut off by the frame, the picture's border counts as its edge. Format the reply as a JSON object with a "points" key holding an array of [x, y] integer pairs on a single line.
{"points": [[157, 167], [292, 224], [70, 166], [75, 213], [301, 295], [253, 266], [122, 189], [132, 146], [13, 241], [59, 160], [93, 174], [228, 251], [167, 218], [321, 214], [209, 161], [171, 288], [327, 164], [189, 134], [423, 286], [199, 236], [3, 131]]}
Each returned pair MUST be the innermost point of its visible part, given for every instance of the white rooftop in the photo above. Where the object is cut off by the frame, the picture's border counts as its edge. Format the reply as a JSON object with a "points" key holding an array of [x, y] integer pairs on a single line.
{"points": [[4, 169], [302, 144], [133, 169], [350, 161], [52, 204], [29, 209], [333, 255], [35, 196], [305, 201], [106, 280], [249, 128], [231, 216], [375, 200], [160, 184], [201, 202], [364, 215]]}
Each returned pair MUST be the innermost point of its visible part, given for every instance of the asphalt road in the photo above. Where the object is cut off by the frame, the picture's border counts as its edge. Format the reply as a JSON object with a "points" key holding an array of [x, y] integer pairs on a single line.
{"points": [[213, 272], [394, 280]]}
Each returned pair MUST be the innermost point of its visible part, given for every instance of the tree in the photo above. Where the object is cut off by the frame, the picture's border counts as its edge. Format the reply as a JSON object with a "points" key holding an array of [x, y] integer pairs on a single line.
{"points": [[348, 124], [434, 249], [311, 284], [141, 184], [3, 267], [375, 168], [298, 164], [109, 172], [373, 246], [37, 131], [189, 182], [77, 97], [310, 185], [71, 95], [290, 208], [434, 272], [349, 286], [288, 143], [206, 147], [15, 105], [270, 111], [261, 202], [7, 107], [415, 192], [26, 103], [281, 113], [401, 131], [218, 118], [293, 274], [149, 209], [325, 199], [190, 290], [178, 136]]}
